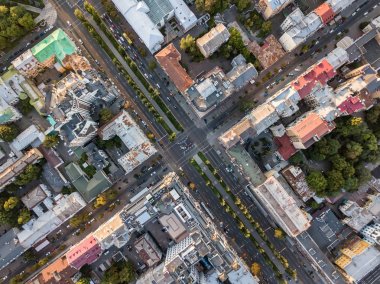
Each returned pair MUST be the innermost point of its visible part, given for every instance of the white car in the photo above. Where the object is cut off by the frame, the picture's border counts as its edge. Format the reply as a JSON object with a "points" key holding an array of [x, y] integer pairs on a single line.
{"points": [[70, 152]]}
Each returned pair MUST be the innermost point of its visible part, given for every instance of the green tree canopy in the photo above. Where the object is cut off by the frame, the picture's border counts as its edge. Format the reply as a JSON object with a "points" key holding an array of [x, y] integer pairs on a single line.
{"points": [[11, 203], [24, 216], [51, 140], [120, 272], [353, 150], [31, 172], [8, 132], [105, 115], [317, 181], [335, 181]]}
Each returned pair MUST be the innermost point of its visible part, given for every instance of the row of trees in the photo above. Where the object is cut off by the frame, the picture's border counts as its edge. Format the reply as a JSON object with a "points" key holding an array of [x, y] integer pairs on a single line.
{"points": [[15, 22], [352, 144]]}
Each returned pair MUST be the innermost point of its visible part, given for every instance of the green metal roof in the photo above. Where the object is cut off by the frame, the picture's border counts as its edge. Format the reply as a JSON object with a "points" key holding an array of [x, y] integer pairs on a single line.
{"points": [[57, 44], [89, 189]]}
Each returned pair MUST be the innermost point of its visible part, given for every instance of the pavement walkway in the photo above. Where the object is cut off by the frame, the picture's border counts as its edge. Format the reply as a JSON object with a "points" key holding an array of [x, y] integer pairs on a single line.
{"points": [[130, 72], [238, 212]]}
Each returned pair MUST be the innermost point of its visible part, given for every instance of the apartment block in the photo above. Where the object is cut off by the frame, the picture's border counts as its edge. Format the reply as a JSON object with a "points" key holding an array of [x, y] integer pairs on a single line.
{"points": [[282, 207], [269, 8], [85, 252], [211, 41]]}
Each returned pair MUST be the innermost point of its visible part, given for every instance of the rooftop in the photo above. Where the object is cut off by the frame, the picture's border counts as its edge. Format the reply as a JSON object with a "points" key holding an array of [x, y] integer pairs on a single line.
{"points": [[297, 180], [85, 252], [309, 127], [88, 188], [35, 196], [325, 12], [147, 250], [112, 232], [285, 147], [169, 59], [176, 229], [58, 272], [212, 40], [284, 208], [57, 44], [320, 72], [269, 53]]}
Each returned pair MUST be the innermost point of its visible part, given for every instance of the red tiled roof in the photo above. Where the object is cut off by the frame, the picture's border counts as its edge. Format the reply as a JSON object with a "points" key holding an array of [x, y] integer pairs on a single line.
{"points": [[85, 252], [285, 147], [57, 272], [321, 72], [325, 12], [169, 58], [351, 105], [312, 125]]}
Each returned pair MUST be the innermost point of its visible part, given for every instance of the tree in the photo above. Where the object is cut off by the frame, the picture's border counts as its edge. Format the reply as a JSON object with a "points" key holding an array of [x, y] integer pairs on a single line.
{"points": [[24, 216], [83, 280], [120, 272], [187, 43], [11, 203], [243, 4], [79, 14], [317, 182], [29, 255], [356, 121], [27, 22], [51, 140], [266, 28], [24, 106], [373, 114], [8, 132], [362, 25], [192, 186], [255, 269], [351, 184], [335, 181], [353, 150], [17, 12], [3, 11], [339, 163], [30, 173], [100, 201], [279, 234], [78, 220], [105, 115], [363, 174], [152, 65]]}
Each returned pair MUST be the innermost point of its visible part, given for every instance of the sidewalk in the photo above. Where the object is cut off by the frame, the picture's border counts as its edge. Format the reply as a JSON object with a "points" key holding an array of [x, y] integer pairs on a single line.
{"points": [[130, 72], [247, 224]]}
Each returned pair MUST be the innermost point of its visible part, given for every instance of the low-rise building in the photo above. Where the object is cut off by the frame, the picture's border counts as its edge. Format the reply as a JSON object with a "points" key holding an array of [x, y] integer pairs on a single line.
{"points": [[357, 259], [358, 217], [297, 180], [298, 28], [85, 252], [31, 136], [35, 196], [371, 233], [169, 59], [49, 52], [148, 17], [211, 41], [254, 123], [308, 129], [112, 233], [140, 148], [268, 53], [339, 5], [52, 215], [148, 250], [282, 207], [57, 272], [8, 113], [8, 174], [269, 8], [78, 131], [89, 188]]}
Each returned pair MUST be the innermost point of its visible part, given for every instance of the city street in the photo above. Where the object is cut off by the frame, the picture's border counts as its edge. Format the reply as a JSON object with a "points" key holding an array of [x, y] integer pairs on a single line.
{"points": [[190, 142]]}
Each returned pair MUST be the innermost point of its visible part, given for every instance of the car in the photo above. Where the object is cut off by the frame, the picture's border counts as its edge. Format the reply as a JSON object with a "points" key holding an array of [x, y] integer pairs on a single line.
{"points": [[68, 23], [27, 44], [70, 152], [158, 86], [331, 31], [365, 14], [80, 41], [152, 174], [353, 14], [106, 252], [144, 123], [97, 62], [297, 70], [291, 74], [375, 6]]}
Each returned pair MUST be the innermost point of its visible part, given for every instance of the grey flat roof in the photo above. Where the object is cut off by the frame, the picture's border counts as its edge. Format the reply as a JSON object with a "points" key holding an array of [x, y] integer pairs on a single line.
{"points": [[10, 248]]}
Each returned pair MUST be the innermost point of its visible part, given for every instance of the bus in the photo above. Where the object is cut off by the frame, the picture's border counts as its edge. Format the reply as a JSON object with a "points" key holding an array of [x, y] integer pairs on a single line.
{"points": [[127, 38]]}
